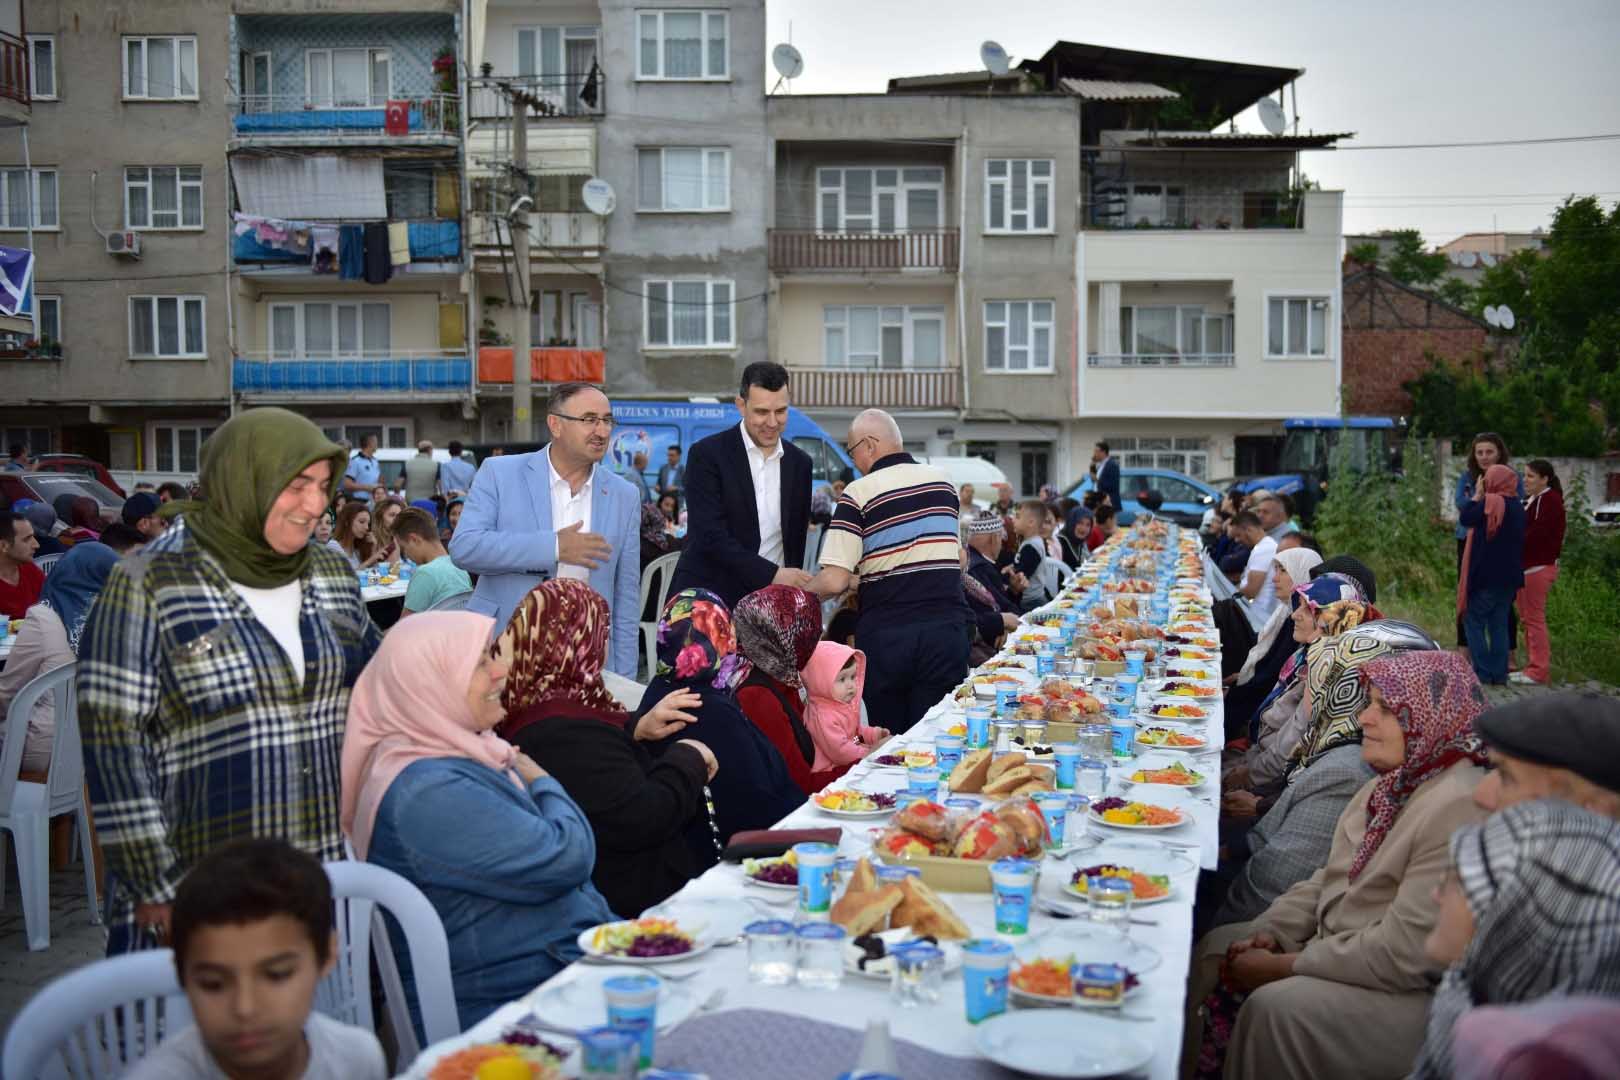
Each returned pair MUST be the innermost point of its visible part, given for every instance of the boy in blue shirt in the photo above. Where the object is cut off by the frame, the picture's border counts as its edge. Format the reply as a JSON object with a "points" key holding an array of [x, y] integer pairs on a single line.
{"points": [[435, 576]]}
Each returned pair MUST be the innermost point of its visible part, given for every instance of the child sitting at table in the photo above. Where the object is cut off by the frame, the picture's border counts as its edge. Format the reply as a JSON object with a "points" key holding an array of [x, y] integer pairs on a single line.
{"points": [[833, 680], [253, 936]]}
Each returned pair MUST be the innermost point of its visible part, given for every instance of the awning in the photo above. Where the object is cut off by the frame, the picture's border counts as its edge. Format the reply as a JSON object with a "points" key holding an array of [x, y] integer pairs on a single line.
{"points": [[1114, 90], [320, 187]]}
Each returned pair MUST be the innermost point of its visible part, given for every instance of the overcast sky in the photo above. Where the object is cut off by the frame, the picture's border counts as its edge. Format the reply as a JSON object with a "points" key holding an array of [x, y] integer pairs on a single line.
{"points": [[1392, 71]]}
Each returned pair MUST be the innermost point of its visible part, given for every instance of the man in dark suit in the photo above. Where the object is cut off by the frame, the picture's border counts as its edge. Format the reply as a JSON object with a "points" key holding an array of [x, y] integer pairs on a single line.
{"points": [[1107, 473], [747, 498]]}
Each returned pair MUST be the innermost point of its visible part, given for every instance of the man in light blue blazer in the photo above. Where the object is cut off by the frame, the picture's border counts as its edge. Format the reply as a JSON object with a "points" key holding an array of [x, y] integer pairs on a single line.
{"points": [[557, 513]]}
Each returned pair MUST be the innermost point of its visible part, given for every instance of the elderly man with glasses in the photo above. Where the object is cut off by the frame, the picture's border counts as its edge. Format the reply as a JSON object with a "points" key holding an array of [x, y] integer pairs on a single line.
{"points": [[555, 513]]}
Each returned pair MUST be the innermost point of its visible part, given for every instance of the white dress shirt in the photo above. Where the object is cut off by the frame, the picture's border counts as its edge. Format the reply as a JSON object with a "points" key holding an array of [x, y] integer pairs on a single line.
{"points": [[566, 509], [767, 472]]}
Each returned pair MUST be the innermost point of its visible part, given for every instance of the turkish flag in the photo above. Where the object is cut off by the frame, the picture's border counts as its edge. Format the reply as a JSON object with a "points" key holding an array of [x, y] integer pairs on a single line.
{"points": [[397, 118]]}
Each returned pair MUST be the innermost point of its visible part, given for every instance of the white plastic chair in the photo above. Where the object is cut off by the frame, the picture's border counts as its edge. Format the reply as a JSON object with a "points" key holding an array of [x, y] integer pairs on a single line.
{"points": [[96, 1022], [47, 563], [662, 571], [26, 808], [359, 889], [453, 602]]}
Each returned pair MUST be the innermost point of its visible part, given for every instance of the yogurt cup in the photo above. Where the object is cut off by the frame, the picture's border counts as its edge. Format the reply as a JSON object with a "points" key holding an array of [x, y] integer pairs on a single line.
{"points": [[922, 780], [632, 1002], [986, 963], [948, 751], [1066, 756], [1054, 806], [816, 864], [1012, 888], [978, 728]]}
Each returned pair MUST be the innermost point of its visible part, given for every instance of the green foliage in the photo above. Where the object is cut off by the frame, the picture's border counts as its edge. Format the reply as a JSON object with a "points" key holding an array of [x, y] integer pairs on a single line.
{"points": [[1457, 292], [1410, 263], [1366, 254]]}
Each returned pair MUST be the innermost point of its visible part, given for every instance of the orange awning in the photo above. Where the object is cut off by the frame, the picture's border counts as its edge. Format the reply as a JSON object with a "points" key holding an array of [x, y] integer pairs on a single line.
{"points": [[545, 365]]}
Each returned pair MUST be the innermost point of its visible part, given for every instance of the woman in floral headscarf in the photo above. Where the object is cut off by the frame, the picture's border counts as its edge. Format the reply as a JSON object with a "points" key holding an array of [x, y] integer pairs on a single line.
{"points": [[558, 712], [697, 651], [778, 628], [1297, 991]]}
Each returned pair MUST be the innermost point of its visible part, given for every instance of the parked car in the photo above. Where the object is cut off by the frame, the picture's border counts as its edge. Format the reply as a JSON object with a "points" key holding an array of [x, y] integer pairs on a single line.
{"points": [[982, 474], [47, 487], [1185, 497], [79, 465], [1606, 515]]}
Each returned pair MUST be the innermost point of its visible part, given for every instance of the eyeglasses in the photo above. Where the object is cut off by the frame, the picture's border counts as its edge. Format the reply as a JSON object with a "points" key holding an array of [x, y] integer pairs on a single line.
{"points": [[850, 449], [589, 419]]}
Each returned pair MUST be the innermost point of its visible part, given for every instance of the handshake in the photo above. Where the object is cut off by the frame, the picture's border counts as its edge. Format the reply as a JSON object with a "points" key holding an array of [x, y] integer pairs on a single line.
{"points": [[788, 575]]}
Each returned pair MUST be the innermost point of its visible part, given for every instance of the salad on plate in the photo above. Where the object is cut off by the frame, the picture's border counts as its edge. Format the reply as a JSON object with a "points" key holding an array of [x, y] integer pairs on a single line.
{"points": [[641, 939], [1174, 774], [1170, 739], [1135, 815], [850, 801], [778, 873]]}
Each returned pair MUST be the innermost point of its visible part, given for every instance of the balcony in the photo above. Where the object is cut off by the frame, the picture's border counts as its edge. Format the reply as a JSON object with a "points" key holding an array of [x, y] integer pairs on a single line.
{"points": [[435, 247], [919, 249], [863, 388], [1161, 360], [555, 230], [546, 365], [576, 94], [414, 374], [300, 120], [15, 98]]}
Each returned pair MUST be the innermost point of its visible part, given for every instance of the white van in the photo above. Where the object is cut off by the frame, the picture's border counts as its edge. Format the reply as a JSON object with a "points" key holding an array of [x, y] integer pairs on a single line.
{"points": [[982, 474], [392, 463]]}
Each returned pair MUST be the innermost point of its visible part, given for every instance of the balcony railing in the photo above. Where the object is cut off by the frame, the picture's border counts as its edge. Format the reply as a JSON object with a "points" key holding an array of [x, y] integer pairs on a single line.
{"points": [[1160, 360], [1112, 205], [14, 69], [918, 249], [582, 93], [300, 115], [861, 388], [431, 241], [547, 229], [546, 365], [424, 373]]}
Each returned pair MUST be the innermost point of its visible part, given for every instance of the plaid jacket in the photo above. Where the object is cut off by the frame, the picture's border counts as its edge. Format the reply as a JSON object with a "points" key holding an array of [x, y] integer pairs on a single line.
{"points": [[195, 731]]}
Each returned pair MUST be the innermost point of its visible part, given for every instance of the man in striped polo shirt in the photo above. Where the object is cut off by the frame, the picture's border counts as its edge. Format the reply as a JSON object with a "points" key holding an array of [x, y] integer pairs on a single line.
{"points": [[897, 529]]}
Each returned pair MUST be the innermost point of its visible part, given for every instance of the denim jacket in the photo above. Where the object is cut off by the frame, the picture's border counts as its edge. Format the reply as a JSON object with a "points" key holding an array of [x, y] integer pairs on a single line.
{"points": [[508, 871]]}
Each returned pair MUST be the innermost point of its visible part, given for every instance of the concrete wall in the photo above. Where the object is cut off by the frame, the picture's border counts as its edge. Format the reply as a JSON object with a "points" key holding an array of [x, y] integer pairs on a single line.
{"points": [[799, 318], [412, 40]]}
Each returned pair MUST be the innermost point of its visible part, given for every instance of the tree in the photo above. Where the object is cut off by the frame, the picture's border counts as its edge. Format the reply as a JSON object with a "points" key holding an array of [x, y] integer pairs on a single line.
{"points": [[1410, 264], [1457, 292], [1366, 254]]}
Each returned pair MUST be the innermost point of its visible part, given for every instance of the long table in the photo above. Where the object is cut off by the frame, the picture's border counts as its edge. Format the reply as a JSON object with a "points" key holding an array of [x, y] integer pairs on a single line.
{"points": [[943, 1028]]}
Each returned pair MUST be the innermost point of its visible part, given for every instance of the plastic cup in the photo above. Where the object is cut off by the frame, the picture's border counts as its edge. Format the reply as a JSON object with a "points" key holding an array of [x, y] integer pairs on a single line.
{"points": [[1033, 732], [821, 955], [632, 1002], [978, 728], [1091, 778], [919, 970], [1044, 661], [816, 864], [948, 750], [609, 1053], [1006, 697], [986, 964], [1110, 900], [1122, 733], [1012, 888], [1096, 742], [923, 780], [1001, 737], [772, 952], [894, 875], [1054, 807], [1066, 756]]}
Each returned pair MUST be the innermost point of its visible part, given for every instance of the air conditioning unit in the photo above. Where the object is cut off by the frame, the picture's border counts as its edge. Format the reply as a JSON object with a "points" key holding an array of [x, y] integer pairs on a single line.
{"points": [[124, 243]]}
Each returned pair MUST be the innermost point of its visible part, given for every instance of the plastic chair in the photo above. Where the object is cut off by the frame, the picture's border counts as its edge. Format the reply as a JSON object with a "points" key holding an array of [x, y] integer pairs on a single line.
{"points": [[812, 550], [662, 571], [360, 889], [96, 1022], [26, 808], [47, 563], [453, 602]]}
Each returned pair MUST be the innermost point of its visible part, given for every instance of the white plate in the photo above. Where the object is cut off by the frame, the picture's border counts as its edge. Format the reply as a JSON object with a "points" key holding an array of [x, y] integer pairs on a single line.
{"points": [[1156, 748], [488, 1030], [1044, 1042], [884, 969], [702, 942], [1148, 765], [1024, 997], [857, 815], [723, 917], [1186, 816], [1149, 858], [577, 1002]]}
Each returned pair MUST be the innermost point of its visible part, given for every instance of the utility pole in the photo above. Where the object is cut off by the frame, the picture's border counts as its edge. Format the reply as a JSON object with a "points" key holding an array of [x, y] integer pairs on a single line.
{"points": [[522, 390]]}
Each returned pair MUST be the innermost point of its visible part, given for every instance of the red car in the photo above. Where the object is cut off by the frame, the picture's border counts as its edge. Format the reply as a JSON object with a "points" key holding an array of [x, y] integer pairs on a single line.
{"points": [[78, 465]]}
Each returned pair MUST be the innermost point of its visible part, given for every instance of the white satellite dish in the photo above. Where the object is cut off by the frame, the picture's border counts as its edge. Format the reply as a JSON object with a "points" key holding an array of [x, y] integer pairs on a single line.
{"points": [[1272, 116], [1487, 259], [1504, 316], [1466, 259], [598, 196], [788, 61], [994, 58], [1491, 316]]}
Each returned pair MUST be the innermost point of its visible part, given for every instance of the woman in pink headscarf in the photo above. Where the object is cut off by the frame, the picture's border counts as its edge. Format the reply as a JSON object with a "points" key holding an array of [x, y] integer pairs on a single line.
{"points": [[429, 792], [1492, 570]]}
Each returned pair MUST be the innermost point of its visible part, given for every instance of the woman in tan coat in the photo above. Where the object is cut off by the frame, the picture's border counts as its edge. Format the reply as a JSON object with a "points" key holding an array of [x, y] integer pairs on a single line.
{"points": [[1332, 980]]}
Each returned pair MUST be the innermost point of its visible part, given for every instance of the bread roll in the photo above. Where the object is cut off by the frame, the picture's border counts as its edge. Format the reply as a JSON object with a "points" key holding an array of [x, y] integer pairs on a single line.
{"points": [[1010, 781], [970, 773], [1003, 763]]}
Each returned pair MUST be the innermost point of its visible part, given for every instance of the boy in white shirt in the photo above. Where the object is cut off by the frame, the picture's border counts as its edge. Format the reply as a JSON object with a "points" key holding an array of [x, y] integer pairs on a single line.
{"points": [[253, 936]]}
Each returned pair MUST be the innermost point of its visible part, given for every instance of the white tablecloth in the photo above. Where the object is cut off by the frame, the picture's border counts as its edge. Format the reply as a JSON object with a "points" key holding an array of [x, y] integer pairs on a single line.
{"points": [[373, 593]]}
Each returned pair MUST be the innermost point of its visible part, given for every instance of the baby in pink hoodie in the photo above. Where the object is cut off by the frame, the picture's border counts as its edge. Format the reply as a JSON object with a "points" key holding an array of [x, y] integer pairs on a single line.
{"points": [[834, 678]]}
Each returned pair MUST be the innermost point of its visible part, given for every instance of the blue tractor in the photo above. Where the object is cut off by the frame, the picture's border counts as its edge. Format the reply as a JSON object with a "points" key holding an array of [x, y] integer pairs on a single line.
{"points": [[1311, 446]]}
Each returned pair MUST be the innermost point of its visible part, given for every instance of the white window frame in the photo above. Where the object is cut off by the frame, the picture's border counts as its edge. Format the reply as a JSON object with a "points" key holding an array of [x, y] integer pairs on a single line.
{"points": [[1309, 299], [330, 103], [659, 15], [300, 349], [39, 205], [838, 318], [707, 156], [202, 428], [180, 185], [146, 75], [34, 41], [1133, 323], [181, 300], [1032, 186], [1005, 325], [833, 180], [661, 291]]}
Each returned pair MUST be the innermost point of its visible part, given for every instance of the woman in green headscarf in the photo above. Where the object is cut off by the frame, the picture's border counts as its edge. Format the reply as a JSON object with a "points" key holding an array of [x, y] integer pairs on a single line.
{"points": [[215, 671]]}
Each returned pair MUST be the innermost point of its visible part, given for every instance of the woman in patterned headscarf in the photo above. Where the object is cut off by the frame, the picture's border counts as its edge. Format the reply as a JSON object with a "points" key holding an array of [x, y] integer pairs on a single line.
{"points": [[1531, 911], [1346, 943], [558, 712], [697, 651], [778, 628]]}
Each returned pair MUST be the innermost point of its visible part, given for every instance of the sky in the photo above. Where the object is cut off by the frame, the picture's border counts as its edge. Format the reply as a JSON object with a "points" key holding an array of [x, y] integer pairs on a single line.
{"points": [[1392, 71]]}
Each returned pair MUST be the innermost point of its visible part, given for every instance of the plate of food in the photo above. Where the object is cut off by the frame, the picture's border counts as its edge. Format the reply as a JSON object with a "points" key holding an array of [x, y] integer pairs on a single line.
{"points": [[870, 956], [1049, 980], [849, 803], [465, 1057], [1176, 710], [1167, 774], [1160, 737], [905, 759], [1193, 672], [778, 873], [644, 941], [576, 1001], [1046, 1042], [1181, 688], [1118, 813]]}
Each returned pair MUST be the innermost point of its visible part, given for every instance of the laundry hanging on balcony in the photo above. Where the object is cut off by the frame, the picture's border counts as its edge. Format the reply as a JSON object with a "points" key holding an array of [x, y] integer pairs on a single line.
{"points": [[324, 241], [352, 252], [314, 186]]}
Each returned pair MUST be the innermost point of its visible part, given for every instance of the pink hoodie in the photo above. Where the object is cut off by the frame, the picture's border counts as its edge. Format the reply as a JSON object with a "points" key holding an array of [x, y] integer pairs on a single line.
{"points": [[834, 725]]}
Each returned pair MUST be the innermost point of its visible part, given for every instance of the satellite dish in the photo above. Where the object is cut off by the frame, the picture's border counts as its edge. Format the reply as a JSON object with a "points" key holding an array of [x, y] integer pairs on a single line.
{"points": [[598, 196], [1466, 259], [1272, 116], [788, 61], [1504, 316], [1487, 259], [1491, 315], [994, 58]]}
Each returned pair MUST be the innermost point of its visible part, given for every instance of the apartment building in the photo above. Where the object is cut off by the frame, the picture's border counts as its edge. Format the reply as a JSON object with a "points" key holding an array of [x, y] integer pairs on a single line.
{"points": [[129, 218]]}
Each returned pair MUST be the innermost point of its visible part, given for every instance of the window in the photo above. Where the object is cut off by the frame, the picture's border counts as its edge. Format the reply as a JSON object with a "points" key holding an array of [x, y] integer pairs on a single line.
{"points": [[15, 198], [1180, 454], [683, 45], [1157, 205], [329, 328], [883, 337], [163, 197], [42, 67], [48, 318], [559, 60], [1034, 465], [689, 314], [1017, 196], [1186, 331], [37, 439], [878, 200], [1018, 335], [391, 436], [348, 78], [160, 68], [178, 448], [1296, 325], [166, 327], [691, 178]]}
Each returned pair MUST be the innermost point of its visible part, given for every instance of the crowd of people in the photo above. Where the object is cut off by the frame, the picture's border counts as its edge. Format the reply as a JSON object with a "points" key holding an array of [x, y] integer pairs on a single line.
{"points": [[1395, 857]]}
